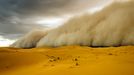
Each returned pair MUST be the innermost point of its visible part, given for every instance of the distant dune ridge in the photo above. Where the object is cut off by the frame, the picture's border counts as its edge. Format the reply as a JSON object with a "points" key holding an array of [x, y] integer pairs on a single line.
{"points": [[112, 26]]}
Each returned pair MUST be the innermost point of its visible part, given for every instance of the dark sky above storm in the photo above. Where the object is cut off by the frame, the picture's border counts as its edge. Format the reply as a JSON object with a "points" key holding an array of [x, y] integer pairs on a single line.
{"points": [[18, 16]]}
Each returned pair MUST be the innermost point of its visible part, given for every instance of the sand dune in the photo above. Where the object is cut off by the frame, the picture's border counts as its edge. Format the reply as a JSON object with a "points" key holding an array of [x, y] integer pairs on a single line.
{"points": [[69, 60]]}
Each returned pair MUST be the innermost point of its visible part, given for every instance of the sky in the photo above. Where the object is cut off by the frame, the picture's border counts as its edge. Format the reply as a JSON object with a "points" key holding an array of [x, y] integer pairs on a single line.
{"points": [[17, 17]]}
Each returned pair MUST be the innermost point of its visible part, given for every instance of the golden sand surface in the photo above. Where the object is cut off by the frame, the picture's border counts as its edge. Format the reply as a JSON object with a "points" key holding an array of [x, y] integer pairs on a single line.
{"points": [[69, 60]]}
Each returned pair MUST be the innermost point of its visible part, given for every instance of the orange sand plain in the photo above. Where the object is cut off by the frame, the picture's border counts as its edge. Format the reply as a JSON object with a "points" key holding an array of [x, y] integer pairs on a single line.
{"points": [[69, 60]]}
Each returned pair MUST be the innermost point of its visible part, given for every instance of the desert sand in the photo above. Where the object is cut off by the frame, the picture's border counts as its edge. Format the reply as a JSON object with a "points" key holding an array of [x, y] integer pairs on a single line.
{"points": [[69, 60]]}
